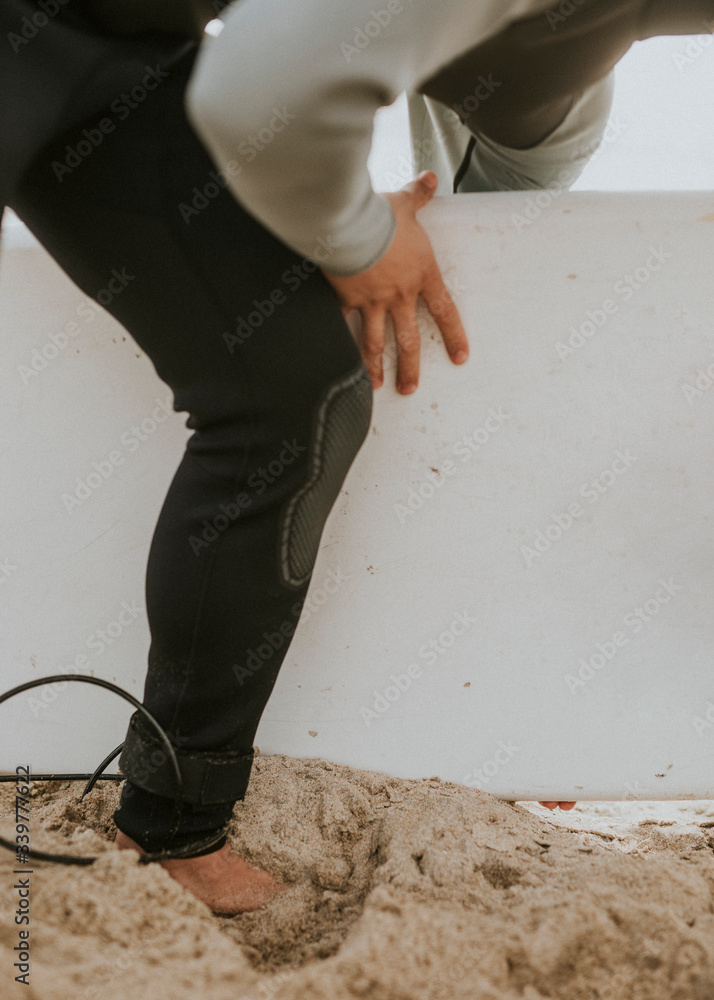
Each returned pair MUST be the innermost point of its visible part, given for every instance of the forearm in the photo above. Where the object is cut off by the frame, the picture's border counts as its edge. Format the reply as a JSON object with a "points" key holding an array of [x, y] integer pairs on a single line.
{"points": [[301, 155]]}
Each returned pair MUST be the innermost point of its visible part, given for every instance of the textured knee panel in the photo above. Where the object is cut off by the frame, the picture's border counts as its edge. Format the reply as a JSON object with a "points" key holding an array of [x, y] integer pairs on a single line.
{"points": [[341, 425]]}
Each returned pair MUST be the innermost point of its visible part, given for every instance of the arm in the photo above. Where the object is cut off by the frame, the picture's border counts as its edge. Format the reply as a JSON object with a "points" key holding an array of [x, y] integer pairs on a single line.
{"points": [[290, 94], [307, 78]]}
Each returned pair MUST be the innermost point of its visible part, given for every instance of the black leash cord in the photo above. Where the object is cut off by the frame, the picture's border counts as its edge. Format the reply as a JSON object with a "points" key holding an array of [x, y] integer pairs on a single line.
{"points": [[64, 777], [70, 859]]}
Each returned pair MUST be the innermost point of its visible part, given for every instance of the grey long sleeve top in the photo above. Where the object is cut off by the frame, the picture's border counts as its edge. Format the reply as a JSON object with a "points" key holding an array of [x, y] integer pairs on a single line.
{"points": [[285, 96]]}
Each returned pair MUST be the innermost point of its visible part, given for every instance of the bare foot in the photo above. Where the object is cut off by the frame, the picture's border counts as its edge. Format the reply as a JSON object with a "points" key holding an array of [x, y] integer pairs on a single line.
{"points": [[565, 806], [221, 880]]}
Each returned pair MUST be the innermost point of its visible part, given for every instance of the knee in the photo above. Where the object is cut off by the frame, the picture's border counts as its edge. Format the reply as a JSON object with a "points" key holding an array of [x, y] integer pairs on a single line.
{"points": [[340, 425]]}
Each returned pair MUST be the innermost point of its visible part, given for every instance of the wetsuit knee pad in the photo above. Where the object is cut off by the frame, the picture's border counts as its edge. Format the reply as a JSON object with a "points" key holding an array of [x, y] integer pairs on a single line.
{"points": [[341, 423]]}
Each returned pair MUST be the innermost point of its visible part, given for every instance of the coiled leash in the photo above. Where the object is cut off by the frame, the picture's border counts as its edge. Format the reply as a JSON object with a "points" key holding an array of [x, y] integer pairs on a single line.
{"points": [[97, 775]]}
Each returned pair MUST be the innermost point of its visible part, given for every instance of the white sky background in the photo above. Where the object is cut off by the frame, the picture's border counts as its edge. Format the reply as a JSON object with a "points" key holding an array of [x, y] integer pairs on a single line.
{"points": [[664, 104]]}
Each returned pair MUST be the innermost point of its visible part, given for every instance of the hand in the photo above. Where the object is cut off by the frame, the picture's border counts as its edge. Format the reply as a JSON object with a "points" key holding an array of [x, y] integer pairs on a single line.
{"points": [[565, 806], [406, 271]]}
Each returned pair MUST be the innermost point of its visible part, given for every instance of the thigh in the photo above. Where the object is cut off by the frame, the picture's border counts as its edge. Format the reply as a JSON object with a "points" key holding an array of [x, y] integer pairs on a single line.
{"points": [[234, 321], [518, 86]]}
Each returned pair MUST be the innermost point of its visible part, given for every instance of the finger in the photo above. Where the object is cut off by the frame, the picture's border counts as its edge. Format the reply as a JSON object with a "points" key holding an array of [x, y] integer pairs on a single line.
{"points": [[548, 805], [373, 344], [406, 335], [422, 189], [442, 307], [567, 806]]}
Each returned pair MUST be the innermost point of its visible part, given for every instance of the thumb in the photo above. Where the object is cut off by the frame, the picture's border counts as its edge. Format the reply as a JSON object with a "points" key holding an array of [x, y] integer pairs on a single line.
{"points": [[422, 189]]}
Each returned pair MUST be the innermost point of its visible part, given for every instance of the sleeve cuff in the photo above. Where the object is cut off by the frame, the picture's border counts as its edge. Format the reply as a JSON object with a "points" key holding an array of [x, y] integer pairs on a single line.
{"points": [[362, 244]]}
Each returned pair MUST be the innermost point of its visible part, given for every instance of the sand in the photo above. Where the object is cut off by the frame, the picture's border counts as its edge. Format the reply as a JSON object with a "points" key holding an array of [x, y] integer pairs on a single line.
{"points": [[400, 890]]}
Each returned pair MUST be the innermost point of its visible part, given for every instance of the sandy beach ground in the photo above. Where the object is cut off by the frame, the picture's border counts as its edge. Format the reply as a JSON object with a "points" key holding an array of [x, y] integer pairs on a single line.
{"points": [[399, 890]]}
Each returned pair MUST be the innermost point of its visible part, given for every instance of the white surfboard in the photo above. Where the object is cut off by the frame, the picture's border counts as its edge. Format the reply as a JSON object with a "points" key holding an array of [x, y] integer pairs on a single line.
{"points": [[515, 588]]}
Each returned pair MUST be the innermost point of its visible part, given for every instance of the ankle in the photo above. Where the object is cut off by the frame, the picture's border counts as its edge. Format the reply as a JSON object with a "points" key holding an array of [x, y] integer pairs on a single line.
{"points": [[195, 849]]}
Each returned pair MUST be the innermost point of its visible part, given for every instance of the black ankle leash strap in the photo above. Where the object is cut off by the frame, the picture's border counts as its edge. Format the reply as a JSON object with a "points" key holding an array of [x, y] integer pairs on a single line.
{"points": [[162, 742]]}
